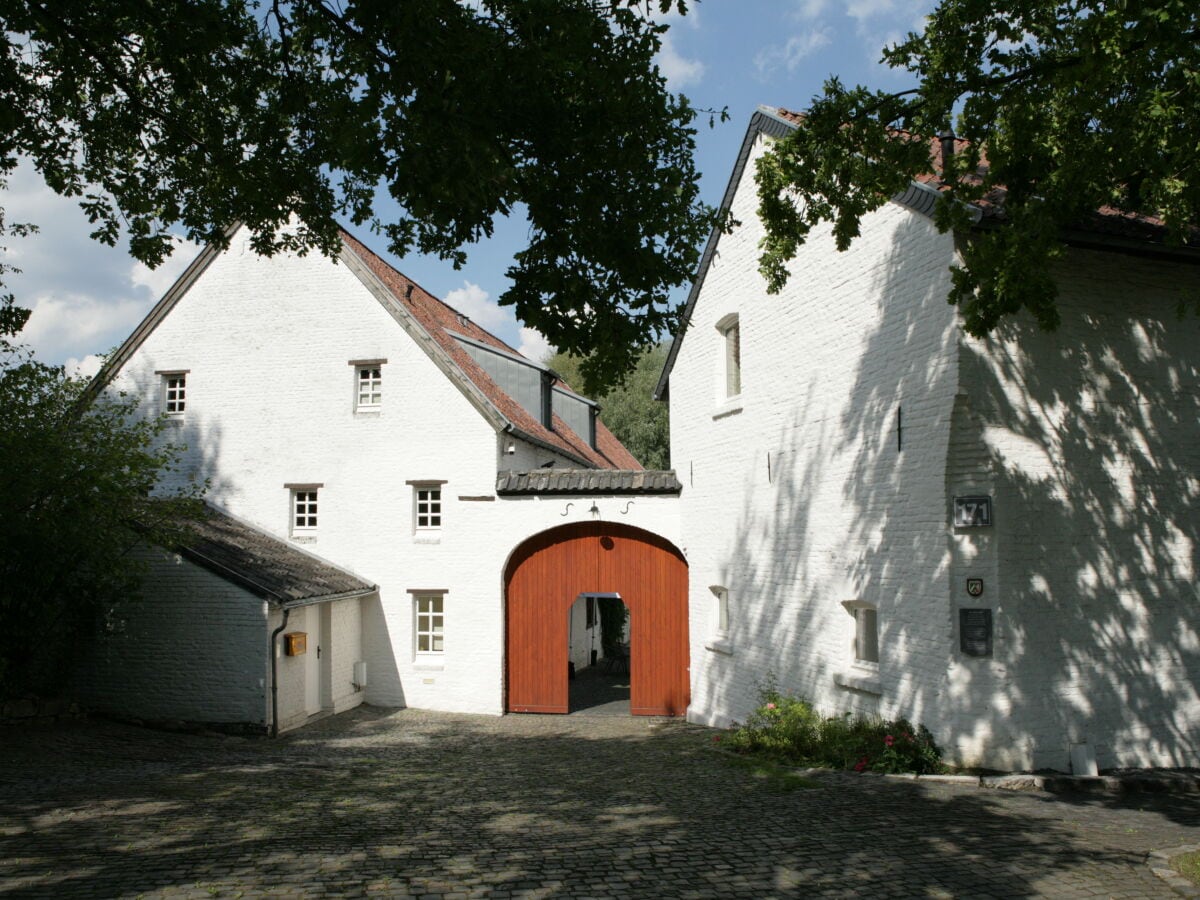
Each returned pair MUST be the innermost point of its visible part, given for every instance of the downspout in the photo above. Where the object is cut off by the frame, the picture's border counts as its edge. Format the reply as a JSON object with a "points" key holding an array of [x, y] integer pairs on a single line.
{"points": [[274, 675]]}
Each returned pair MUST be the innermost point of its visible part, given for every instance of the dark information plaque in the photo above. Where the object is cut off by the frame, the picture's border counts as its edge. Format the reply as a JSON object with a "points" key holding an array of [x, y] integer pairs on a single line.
{"points": [[975, 632]]}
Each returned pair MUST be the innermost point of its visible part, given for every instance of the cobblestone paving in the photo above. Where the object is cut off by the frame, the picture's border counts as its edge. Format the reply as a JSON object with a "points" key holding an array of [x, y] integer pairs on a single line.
{"points": [[406, 803]]}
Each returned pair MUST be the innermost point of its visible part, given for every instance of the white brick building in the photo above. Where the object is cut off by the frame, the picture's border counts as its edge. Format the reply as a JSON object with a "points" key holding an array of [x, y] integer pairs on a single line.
{"points": [[823, 435], [341, 409]]}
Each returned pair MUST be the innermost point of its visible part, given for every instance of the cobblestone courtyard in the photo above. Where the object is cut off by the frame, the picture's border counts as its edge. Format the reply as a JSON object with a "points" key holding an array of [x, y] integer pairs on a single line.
{"points": [[381, 802]]}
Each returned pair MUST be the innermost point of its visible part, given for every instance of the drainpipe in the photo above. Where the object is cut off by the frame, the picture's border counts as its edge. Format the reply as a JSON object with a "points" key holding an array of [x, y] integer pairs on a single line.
{"points": [[274, 675]]}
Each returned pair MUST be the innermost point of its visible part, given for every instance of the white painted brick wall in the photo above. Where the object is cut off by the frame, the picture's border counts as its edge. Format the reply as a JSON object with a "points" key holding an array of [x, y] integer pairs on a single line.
{"points": [[1086, 438], [193, 649], [843, 514], [267, 343]]}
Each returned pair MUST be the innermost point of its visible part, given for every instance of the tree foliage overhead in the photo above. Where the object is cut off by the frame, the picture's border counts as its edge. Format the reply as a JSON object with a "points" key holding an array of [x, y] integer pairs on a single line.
{"points": [[1066, 107], [191, 114], [629, 410], [74, 501]]}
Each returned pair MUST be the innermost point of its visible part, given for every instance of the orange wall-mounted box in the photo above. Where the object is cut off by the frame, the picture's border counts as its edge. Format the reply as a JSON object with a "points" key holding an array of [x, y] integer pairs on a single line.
{"points": [[295, 643]]}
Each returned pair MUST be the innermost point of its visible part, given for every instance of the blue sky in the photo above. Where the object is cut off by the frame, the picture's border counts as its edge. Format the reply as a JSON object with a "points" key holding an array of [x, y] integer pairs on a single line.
{"points": [[733, 54]]}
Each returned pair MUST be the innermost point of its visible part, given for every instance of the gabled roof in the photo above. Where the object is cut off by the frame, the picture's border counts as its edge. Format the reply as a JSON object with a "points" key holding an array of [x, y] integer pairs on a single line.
{"points": [[1106, 221], [263, 564], [442, 322], [430, 323], [588, 482], [1106, 229]]}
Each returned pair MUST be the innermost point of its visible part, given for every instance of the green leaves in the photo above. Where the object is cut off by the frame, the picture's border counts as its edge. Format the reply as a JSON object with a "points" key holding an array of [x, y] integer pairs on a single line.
{"points": [[75, 482], [1066, 108], [190, 115]]}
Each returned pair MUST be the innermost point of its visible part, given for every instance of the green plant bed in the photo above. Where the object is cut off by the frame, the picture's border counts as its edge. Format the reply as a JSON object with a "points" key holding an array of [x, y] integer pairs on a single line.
{"points": [[788, 730], [1188, 865]]}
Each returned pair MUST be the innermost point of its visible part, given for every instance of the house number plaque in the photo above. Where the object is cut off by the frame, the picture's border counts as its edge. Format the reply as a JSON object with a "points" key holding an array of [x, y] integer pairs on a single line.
{"points": [[972, 512]]}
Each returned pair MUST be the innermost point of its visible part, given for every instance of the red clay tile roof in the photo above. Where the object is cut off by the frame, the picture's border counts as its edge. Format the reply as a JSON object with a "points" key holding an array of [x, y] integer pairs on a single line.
{"points": [[439, 319], [1106, 220]]}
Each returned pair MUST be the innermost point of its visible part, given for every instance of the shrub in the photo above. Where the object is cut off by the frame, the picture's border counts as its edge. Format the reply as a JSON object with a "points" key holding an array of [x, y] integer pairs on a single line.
{"points": [[788, 729]]}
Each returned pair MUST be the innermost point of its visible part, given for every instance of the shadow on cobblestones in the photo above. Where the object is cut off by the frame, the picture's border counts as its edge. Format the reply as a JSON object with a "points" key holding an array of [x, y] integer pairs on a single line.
{"points": [[398, 803]]}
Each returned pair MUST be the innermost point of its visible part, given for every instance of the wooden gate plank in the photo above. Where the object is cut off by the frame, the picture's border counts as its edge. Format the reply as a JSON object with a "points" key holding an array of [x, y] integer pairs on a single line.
{"points": [[547, 573]]}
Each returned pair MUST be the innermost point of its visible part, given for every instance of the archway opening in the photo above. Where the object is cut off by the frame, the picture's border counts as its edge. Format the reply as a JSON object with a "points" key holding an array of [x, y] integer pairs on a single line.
{"points": [[544, 579], [599, 634]]}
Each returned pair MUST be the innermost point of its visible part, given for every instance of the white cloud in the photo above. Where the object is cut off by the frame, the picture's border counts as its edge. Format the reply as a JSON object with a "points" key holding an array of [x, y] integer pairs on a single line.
{"points": [[864, 11], [157, 281], [84, 368], [678, 69], [534, 345], [476, 304], [810, 9], [73, 326], [789, 55]]}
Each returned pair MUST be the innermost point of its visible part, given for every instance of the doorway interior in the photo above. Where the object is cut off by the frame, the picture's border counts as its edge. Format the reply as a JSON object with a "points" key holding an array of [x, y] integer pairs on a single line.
{"points": [[598, 652]]}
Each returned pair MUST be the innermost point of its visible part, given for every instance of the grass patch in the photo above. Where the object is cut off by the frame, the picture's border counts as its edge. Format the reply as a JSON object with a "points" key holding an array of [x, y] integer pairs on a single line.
{"points": [[780, 779], [1188, 865]]}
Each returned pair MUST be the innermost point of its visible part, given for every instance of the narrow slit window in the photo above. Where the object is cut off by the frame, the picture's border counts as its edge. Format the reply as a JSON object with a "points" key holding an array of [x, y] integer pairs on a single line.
{"points": [[730, 378], [866, 636]]}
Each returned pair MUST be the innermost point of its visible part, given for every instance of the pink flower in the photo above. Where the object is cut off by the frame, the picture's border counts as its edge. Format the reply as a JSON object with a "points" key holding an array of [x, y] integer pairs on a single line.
{"points": [[770, 706], [889, 740], [716, 739], [861, 764]]}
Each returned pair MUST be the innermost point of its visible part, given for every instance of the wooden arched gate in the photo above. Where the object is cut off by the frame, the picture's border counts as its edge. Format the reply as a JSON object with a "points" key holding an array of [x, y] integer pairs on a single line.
{"points": [[545, 575]]}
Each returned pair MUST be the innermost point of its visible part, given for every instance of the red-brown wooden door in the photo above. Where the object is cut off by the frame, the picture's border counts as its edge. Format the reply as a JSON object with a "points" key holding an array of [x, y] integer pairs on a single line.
{"points": [[545, 575]]}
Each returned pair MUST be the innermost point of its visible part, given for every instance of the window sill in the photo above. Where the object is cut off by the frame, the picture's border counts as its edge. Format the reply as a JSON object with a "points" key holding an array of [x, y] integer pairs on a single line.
{"points": [[370, 412], [729, 407], [304, 538], [427, 539], [176, 420], [720, 645], [867, 682]]}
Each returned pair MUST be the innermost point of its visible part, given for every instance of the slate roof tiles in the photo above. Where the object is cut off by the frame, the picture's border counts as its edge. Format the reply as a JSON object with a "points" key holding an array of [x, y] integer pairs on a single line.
{"points": [[263, 564]]}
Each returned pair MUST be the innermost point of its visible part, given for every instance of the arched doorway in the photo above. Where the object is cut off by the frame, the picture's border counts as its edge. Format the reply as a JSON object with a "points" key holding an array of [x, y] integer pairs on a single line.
{"points": [[549, 570]]}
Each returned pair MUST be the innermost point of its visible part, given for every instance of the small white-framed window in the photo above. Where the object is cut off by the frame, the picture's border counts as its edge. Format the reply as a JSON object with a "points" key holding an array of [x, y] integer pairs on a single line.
{"points": [[866, 634], [429, 629], [731, 369], [368, 384], [304, 508], [174, 393], [720, 622], [866, 631], [720, 612], [427, 505]]}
